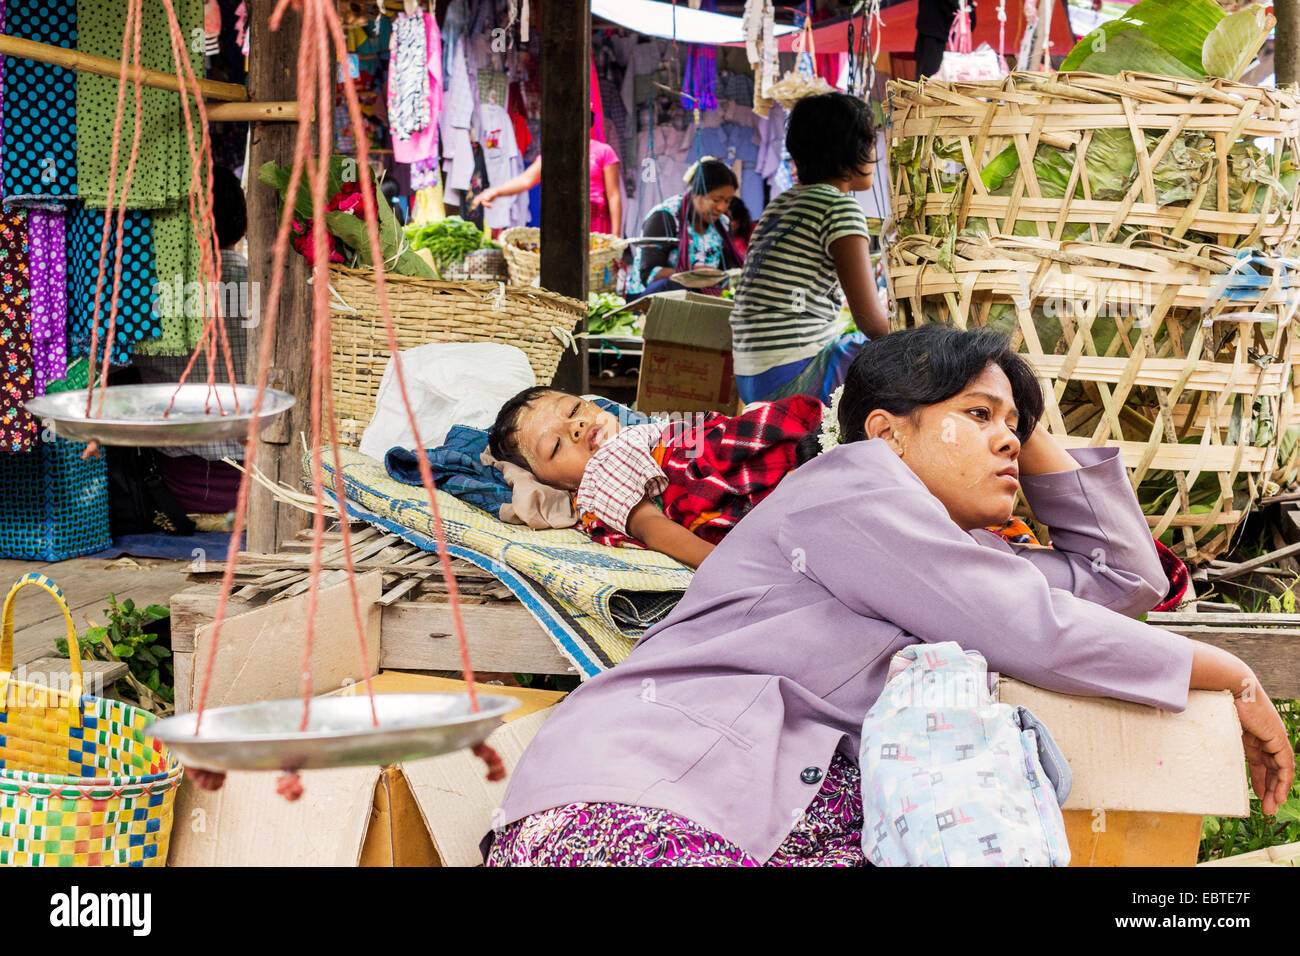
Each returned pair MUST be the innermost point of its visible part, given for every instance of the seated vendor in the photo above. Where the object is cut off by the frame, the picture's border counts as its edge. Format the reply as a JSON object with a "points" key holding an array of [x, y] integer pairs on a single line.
{"points": [[197, 478], [696, 223], [810, 244], [729, 736]]}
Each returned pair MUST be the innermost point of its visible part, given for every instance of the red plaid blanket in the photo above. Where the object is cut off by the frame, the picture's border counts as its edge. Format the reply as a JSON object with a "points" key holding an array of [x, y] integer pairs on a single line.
{"points": [[719, 467]]}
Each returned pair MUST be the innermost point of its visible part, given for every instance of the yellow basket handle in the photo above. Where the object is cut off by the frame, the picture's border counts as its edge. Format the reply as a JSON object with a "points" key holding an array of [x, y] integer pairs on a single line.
{"points": [[7, 638]]}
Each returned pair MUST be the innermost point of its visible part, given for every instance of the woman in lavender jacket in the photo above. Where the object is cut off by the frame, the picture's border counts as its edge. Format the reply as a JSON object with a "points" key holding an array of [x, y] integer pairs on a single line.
{"points": [[729, 735]]}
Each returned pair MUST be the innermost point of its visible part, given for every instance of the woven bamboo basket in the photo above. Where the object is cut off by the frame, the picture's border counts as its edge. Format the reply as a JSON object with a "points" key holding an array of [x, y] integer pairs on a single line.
{"points": [[1196, 171], [521, 245], [82, 781], [1180, 355], [426, 310]]}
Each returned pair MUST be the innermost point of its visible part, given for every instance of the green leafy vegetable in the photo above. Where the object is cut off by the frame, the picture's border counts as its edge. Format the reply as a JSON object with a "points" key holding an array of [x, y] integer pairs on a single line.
{"points": [[449, 240]]}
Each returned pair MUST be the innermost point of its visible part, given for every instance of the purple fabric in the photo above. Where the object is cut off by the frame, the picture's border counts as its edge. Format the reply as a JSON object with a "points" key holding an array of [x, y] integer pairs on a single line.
{"points": [[198, 485], [827, 833], [725, 711], [47, 273]]}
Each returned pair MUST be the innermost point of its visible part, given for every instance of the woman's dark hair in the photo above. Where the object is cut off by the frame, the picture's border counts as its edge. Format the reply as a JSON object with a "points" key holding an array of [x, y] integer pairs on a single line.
{"points": [[503, 439], [830, 135], [742, 223], [906, 370], [711, 175], [228, 207]]}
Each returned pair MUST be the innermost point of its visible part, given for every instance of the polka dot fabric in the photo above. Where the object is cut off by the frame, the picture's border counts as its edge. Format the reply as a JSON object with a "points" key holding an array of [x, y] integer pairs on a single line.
{"points": [[40, 106], [17, 427], [136, 320]]}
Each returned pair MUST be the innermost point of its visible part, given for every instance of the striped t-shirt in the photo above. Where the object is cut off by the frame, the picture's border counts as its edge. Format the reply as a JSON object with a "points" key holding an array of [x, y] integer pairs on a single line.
{"points": [[788, 299]]}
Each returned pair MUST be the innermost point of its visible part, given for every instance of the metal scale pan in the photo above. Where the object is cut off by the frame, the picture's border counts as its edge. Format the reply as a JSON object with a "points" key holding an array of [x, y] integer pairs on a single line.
{"points": [[265, 736], [137, 416]]}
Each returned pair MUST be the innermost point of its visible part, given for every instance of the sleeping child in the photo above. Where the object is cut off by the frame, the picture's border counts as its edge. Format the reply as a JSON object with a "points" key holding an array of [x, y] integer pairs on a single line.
{"points": [[677, 486]]}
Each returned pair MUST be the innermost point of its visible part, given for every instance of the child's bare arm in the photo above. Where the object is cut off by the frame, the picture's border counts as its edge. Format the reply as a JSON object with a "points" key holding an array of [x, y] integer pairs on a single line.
{"points": [[648, 524], [852, 255]]}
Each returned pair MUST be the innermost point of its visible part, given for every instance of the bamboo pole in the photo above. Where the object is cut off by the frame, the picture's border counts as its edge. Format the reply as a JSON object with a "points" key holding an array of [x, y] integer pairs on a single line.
{"points": [[269, 112], [87, 63]]}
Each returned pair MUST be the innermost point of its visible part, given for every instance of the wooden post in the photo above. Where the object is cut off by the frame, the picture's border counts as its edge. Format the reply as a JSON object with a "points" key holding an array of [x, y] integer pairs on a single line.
{"points": [[565, 30], [272, 77], [1286, 47]]}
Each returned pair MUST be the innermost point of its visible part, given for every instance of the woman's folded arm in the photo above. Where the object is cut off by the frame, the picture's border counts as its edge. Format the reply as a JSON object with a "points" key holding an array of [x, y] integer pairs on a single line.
{"points": [[892, 553]]}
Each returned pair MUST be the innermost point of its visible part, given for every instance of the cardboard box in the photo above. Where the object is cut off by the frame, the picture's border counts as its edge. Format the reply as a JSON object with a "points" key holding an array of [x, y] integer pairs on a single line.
{"points": [[1143, 778], [686, 360], [421, 813]]}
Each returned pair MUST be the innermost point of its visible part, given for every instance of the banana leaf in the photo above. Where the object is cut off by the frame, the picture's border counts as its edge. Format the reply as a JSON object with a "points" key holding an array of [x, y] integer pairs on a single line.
{"points": [[1150, 34], [1233, 43]]}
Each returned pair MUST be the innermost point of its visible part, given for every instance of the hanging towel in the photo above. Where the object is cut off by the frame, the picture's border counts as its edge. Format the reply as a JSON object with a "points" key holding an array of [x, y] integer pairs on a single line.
{"points": [[162, 172], [176, 265], [17, 427], [47, 273], [40, 102], [135, 317]]}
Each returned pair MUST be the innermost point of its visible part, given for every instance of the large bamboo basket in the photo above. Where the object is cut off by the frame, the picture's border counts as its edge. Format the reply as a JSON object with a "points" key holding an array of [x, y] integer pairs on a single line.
{"points": [[942, 135], [426, 310], [1179, 355]]}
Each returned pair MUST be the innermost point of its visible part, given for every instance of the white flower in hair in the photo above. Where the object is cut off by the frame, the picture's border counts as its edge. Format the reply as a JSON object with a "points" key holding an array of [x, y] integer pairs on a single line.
{"points": [[830, 436]]}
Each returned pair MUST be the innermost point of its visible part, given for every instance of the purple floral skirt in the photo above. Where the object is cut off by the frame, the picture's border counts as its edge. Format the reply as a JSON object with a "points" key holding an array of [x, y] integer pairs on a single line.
{"points": [[616, 834]]}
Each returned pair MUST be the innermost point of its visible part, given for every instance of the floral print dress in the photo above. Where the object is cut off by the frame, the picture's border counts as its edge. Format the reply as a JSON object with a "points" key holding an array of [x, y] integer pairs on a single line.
{"points": [[17, 371]]}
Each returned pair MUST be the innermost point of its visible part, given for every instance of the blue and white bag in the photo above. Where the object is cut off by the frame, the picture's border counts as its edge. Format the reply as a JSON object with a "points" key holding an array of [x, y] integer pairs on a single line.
{"points": [[951, 777]]}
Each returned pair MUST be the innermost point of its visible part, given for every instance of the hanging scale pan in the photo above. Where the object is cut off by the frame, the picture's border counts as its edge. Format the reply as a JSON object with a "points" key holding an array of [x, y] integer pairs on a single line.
{"points": [[138, 416], [340, 733]]}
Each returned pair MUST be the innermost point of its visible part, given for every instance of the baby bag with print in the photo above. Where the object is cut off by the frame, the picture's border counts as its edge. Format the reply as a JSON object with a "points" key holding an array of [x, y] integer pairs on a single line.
{"points": [[951, 777]]}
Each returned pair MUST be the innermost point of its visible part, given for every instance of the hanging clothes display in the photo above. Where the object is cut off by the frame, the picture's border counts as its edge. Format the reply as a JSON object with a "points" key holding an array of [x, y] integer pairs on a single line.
{"points": [[161, 178], [457, 105], [761, 49], [426, 205], [17, 375], [136, 319], [503, 161], [40, 102], [47, 274], [408, 76]]}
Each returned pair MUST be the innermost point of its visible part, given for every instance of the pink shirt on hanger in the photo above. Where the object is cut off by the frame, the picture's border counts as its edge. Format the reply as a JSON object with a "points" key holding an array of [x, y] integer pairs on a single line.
{"points": [[424, 144]]}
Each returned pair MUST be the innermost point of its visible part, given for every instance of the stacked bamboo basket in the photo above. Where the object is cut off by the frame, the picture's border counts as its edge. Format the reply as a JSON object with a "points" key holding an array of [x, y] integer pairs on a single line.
{"points": [[1166, 328]]}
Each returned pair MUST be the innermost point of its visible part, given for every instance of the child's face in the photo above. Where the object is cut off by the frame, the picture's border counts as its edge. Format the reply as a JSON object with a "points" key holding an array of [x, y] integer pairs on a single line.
{"points": [[558, 434]]}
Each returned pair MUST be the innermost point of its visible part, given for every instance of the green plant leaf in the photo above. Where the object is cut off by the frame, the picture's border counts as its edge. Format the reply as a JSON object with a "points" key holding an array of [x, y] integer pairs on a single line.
{"points": [[61, 646], [156, 612], [160, 652], [1135, 50], [143, 653], [1093, 42], [1233, 43], [123, 650], [152, 682], [1289, 812], [128, 604]]}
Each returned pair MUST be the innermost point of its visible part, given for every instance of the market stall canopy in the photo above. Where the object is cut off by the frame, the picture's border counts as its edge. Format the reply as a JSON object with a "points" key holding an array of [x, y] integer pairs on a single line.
{"points": [[899, 32], [675, 21]]}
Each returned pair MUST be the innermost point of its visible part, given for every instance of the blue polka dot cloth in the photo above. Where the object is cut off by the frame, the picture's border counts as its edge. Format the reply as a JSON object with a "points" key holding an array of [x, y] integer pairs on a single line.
{"points": [[40, 106], [136, 318]]}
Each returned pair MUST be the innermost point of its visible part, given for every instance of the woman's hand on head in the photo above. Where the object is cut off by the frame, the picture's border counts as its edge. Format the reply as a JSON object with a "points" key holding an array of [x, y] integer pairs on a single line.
{"points": [[1268, 748], [1042, 454]]}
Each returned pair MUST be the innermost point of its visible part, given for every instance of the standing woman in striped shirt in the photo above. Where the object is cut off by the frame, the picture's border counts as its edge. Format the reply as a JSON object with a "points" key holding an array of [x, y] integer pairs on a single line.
{"points": [[810, 244]]}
